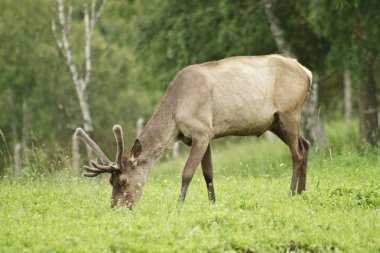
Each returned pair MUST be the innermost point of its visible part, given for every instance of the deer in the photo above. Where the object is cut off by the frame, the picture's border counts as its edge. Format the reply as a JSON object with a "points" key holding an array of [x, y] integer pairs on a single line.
{"points": [[239, 96]]}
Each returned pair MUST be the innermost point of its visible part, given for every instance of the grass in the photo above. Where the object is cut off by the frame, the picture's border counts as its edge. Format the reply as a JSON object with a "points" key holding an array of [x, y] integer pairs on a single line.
{"points": [[340, 212]]}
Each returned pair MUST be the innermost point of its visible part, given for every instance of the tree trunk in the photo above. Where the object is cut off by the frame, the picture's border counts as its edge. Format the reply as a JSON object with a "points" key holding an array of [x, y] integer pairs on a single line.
{"points": [[368, 111], [18, 156], [175, 150], [347, 97], [277, 32], [76, 154], [139, 125], [311, 123], [20, 147], [87, 122], [25, 122]]}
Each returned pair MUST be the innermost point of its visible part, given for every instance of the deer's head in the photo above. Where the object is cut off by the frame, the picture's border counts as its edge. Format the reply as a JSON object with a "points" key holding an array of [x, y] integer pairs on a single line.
{"points": [[127, 181]]}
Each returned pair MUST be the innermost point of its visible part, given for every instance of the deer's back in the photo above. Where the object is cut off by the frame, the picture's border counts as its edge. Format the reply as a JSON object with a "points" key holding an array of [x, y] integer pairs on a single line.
{"points": [[239, 95]]}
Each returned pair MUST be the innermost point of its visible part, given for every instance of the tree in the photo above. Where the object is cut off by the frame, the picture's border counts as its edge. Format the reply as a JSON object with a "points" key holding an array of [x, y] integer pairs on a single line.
{"points": [[350, 27], [81, 80], [20, 43]]}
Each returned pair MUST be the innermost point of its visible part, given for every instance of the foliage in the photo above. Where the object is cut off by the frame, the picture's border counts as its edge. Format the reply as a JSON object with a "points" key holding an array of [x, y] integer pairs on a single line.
{"points": [[177, 34], [347, 25]]}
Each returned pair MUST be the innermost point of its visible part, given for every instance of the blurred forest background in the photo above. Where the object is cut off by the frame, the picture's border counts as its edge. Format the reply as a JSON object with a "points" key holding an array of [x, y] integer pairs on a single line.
{"points": [[118, 59]]}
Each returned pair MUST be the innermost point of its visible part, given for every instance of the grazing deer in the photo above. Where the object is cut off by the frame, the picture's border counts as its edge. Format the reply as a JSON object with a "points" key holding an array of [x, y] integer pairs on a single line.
{"points": [[241, 96]]}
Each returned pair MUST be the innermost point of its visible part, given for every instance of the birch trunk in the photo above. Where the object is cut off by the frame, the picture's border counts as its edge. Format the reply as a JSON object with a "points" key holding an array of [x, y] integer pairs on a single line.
{"points": [[25, 122], [310, 118], [368, 111], [139, 125], [347, 97], [310, 121], [76, 154], [175, 150], [18, 157], [20, 147], [277, 32]]}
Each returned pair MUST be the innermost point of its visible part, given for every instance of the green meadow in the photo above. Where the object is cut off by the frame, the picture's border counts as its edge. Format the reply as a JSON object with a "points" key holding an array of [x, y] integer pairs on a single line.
{"points": [[340, 212]]}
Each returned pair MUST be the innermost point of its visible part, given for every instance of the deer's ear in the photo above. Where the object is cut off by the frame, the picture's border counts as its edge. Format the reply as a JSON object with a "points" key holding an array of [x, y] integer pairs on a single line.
{"points": [[136, 149]]}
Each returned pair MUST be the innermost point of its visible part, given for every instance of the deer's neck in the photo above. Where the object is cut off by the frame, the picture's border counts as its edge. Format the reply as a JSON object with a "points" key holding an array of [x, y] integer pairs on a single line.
{"points": [[158, 135]]}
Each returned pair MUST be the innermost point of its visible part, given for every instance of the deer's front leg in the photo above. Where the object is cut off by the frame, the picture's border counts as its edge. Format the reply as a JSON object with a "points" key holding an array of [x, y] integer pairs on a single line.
{"points": [[198, 150]]}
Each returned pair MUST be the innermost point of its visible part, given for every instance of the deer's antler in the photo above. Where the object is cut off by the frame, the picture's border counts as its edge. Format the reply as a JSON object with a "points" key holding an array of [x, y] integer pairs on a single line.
{"points": [[107, 165]]}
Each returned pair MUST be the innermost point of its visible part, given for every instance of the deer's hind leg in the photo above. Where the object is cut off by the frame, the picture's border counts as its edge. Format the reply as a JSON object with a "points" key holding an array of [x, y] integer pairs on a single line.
{"points": [[304, 147], [208, 173], [286, 127]]}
